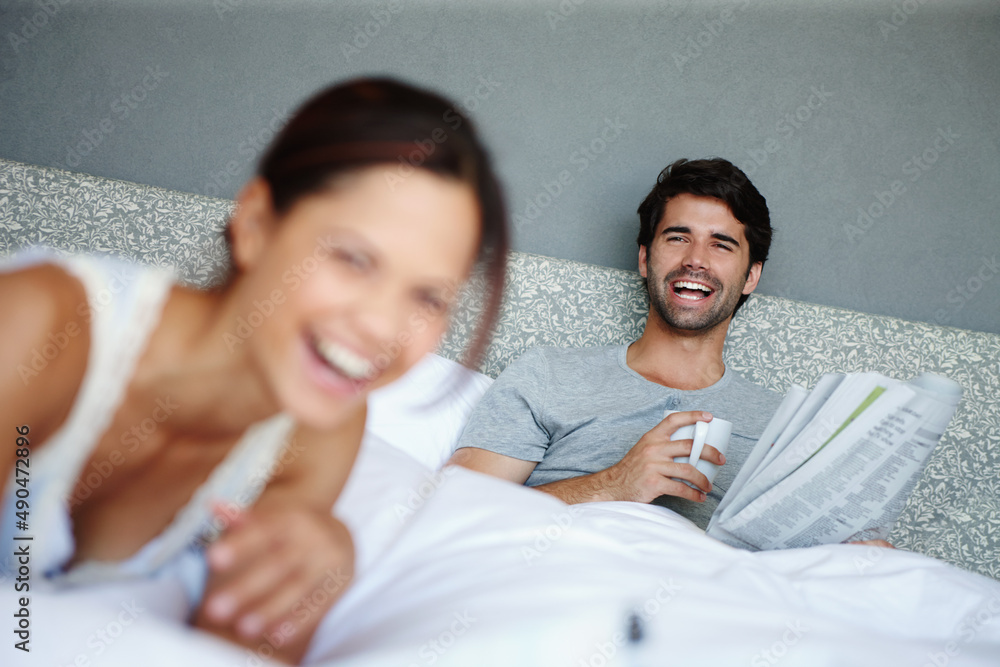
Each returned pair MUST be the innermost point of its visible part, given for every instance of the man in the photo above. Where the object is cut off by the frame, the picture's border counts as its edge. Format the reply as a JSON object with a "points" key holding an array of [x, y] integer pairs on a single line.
{"points": [[587, 424]]}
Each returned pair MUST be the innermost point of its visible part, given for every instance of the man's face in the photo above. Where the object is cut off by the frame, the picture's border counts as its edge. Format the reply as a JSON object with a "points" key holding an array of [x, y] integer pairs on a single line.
{"points": [[696, 266]]}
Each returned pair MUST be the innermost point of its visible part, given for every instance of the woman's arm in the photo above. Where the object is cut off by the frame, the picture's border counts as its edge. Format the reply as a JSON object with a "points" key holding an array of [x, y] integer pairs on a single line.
{"points": [[44, 345], [281, 565]]}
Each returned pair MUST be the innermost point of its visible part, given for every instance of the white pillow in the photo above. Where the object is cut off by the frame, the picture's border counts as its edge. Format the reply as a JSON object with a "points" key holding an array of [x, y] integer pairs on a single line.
{"points": [[423, 413]]}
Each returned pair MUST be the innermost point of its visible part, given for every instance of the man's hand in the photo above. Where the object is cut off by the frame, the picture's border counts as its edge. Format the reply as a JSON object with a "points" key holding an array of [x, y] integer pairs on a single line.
{"points": [[874, 543], [646, 471], [273, 576]]}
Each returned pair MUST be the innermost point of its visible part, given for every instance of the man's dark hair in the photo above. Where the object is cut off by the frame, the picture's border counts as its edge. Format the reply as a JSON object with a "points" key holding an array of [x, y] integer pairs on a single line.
{"points": [[719, 179]]}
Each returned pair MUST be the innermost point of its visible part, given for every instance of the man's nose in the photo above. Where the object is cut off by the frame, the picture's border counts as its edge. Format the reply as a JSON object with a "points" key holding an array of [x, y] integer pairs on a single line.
{"points": [[696, 257]]}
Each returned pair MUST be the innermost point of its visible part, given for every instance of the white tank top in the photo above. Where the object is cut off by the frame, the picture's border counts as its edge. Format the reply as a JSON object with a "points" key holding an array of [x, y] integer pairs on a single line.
{"points": [[124, 304]]}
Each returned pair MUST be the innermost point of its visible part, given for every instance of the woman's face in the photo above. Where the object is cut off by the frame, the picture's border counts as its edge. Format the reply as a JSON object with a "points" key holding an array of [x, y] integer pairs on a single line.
{"points": [[353, 286]]}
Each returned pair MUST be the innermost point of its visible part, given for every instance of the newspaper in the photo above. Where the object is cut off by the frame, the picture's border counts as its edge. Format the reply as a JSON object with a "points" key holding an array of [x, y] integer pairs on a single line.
{"points": [[836, 463]]}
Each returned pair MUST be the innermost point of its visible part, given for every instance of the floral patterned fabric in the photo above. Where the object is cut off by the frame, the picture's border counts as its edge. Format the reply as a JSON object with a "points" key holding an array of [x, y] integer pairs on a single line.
{"points": [[954, 511]]}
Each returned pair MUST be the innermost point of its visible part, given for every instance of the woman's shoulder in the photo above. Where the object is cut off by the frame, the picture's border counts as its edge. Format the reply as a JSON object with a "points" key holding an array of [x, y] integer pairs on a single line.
{"points": [[44, 343], [36, 300]]}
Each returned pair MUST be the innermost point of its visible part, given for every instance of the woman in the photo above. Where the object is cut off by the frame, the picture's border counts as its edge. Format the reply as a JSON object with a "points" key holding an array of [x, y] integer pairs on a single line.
{"points": [[369, 210]]}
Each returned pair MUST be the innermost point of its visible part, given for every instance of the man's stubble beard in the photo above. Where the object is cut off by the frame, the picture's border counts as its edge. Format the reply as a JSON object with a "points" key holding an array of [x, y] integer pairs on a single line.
{"points": [[675, 317]]}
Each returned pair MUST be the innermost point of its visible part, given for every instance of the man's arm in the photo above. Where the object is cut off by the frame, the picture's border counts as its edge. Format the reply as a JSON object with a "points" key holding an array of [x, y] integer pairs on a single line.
{"points": [[507, 418], [584, 489], [512, 418], [493, 464], [646, 472], [587, 488]]}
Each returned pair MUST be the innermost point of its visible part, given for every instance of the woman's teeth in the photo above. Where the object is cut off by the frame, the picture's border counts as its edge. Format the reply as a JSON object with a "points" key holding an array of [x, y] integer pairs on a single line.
{"points": [[345, 361]]}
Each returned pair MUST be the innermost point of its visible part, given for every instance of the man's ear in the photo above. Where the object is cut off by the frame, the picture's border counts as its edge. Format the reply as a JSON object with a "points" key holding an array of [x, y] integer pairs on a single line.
{"points": [[642, 261], [753, 278], [252, 223]]}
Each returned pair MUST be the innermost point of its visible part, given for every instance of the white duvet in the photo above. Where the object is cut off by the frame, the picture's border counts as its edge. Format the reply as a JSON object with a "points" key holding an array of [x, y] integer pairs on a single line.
{"points": [[457, 568], [462, 569]]}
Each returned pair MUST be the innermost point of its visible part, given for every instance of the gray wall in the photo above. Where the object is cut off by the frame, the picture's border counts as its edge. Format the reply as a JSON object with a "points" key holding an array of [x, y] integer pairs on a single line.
{"points": [[870, 126]]}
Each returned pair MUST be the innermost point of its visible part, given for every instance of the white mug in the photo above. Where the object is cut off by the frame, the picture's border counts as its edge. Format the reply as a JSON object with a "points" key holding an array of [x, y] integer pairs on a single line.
{"points": [[715, 433]]}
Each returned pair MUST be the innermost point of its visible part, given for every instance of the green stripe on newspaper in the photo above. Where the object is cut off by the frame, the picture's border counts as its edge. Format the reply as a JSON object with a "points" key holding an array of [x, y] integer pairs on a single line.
{"points": [[876, 392]]}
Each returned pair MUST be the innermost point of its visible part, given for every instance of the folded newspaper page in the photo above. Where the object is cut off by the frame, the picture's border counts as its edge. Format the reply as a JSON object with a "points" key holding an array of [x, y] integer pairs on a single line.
{"points": [[836, 463]]}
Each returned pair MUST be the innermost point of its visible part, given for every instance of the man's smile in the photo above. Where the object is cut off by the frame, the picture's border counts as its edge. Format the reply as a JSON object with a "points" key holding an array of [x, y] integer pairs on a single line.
{"points": [[690, 290]]}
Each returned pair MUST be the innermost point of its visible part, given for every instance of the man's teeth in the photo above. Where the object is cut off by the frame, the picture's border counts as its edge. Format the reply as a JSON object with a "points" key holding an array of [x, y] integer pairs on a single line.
{"points": [[345, 361], [683, 284]]}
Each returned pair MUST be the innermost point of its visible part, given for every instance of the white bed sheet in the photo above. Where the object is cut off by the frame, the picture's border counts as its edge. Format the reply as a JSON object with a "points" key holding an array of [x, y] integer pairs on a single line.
{"points": [[456, 568]]}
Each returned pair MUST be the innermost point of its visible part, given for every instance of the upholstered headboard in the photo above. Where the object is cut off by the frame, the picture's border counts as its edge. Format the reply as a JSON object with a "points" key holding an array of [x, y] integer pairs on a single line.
{"points": [[954, 512]]}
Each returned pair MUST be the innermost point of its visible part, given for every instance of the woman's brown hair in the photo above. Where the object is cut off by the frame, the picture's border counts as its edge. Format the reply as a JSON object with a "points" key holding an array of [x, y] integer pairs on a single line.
{"points": [[365, 122]]}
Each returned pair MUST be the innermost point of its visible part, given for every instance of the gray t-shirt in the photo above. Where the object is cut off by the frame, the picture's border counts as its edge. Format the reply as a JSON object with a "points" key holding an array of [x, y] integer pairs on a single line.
{"points": [[578, 411]]}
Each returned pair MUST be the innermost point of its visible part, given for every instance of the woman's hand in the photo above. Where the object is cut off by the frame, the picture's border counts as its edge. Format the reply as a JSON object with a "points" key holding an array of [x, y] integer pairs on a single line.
{"points": [[273, 575], [280, 566]]}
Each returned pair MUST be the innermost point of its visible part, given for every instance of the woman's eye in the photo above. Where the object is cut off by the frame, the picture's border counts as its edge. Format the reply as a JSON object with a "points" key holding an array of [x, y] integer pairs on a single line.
{"points": [[432, 303], [353, 259]]}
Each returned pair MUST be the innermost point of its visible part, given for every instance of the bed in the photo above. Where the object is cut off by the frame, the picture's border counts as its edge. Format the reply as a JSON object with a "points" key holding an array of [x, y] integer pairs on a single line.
{"points": [[455, 568]]}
